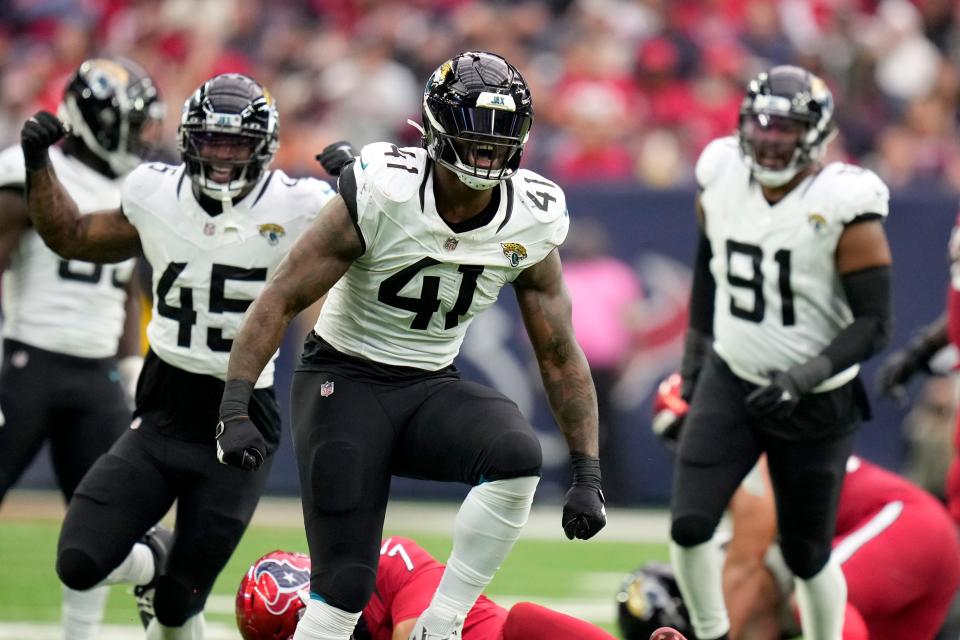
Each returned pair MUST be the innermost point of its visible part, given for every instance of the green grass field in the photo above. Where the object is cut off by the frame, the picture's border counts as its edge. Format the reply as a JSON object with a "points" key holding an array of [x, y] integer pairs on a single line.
{"points": [[579, 578]]}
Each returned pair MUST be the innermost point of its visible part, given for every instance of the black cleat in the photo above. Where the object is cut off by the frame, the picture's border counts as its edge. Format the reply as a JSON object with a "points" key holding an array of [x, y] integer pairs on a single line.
{"points": [[159, 539]]}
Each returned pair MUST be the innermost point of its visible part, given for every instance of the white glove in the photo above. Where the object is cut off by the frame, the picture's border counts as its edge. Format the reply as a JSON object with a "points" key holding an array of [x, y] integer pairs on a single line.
{"points": [[129, 369]]}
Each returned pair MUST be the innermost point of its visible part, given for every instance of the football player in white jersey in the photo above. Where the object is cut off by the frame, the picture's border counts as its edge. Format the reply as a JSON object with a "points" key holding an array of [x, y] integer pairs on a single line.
{"points": [[72, 328], [418, 242], [791, 292], [214, 229]]}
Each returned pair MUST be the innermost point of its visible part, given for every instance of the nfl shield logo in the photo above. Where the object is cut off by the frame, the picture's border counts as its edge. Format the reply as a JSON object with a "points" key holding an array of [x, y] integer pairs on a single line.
{"points": [[209, 229], [451, 243], [326, 389]]}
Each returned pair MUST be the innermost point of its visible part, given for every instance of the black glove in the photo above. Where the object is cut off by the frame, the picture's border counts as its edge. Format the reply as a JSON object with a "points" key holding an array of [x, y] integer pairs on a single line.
{"points": [[583, 512], [778, 399], [894, 372], [335, 157], [37, 135], [239, 443], [696, 349]]}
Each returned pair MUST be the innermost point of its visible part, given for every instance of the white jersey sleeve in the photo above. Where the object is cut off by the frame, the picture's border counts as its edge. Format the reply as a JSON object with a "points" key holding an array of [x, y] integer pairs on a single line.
{"points": [[715, 159], [70, 307], [12, 171], [863, 192]]}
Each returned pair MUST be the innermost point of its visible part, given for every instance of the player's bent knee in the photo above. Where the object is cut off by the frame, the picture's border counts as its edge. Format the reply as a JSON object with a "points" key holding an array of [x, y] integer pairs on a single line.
{"points": [[78, 570], [804, 558], [350, 587], [336, 470], [514, 454], [689, 531], [173, 603]]}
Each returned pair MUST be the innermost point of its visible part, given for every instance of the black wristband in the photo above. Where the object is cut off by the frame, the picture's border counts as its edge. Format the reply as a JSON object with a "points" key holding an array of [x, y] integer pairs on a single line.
{"points": [[34, 159], [586, 469], [236, 398]]}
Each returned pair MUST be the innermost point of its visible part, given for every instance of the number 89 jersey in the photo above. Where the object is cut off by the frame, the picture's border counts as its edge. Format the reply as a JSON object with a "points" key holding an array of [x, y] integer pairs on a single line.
{"points": [[410, 297], [65, 306], [208, 269], [779, 300]]}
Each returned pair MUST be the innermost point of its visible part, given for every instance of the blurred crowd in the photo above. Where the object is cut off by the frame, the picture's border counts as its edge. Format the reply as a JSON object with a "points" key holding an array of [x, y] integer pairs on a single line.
{"points": [[624, 90]]}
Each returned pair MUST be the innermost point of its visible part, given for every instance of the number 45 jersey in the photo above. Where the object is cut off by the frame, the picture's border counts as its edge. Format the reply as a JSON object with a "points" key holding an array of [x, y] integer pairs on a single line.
{"points": [[208, 269], [779, 300], [65, 306], [410, 297]]}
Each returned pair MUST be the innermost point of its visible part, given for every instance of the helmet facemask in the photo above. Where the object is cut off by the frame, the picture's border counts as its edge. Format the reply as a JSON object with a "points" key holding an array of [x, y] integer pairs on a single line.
{"points": [[781, 133], [222, 164], [482, 146]]}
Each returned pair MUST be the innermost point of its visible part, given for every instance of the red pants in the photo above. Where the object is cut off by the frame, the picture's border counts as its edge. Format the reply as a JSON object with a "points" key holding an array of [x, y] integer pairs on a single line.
{"points": [[528, 621]]}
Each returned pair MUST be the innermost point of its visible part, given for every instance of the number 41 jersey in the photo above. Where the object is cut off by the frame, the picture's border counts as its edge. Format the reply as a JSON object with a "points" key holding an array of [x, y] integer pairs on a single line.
{"points": [[208, 269], [409, 298], [779, 300]]}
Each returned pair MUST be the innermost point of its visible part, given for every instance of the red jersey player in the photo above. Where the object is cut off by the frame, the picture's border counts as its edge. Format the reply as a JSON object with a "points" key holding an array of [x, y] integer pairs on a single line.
{"points": [[896, 545], [274, 590]]}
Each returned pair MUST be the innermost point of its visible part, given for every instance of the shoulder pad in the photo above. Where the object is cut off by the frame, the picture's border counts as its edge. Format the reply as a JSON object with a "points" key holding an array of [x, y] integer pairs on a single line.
{"points": [[146, 179], [858, 191], [311, 194], [543, 198], [714, 158], [12, 171], [391, 173]]}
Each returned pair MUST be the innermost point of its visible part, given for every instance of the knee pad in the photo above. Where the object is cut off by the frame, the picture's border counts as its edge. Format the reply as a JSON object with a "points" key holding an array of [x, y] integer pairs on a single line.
{"points": [[689, 531], [336, 466], [78, 569], [174, 603], [512, 455], [347, 588], [804, 557]]}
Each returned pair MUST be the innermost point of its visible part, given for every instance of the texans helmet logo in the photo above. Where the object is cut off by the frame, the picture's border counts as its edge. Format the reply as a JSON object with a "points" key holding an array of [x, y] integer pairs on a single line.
{"points": [[280, 581]]}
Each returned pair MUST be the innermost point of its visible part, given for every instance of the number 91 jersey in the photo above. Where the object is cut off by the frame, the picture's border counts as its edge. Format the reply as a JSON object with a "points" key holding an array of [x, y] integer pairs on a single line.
{"points": [[779, 300], [208, 269], [409, 298], [65, 306]]}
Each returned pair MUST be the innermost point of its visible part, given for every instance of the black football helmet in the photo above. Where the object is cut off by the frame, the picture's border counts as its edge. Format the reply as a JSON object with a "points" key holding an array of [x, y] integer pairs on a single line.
{"points": [[477, 114], [114, 106], [786, 121], [233, 112], [649, 598]]}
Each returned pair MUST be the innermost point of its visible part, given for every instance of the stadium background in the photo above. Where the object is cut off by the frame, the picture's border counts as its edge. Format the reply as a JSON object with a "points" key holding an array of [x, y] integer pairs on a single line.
{"points": [[626, 94]]}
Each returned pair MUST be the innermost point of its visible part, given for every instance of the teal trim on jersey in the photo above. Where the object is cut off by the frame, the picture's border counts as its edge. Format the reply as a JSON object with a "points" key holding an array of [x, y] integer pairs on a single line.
{"points": [[318, 597], [363, 165], [483, 480]]}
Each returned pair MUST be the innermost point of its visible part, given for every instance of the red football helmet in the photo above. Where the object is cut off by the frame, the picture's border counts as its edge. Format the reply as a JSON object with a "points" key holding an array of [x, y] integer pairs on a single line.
{"points": [[273, 596], [669, 408]]}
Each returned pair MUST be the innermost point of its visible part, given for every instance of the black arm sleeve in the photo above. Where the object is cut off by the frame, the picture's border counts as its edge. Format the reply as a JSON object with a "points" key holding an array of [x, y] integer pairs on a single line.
{"points": [[703, 290], [696, 346], [869, 296]]}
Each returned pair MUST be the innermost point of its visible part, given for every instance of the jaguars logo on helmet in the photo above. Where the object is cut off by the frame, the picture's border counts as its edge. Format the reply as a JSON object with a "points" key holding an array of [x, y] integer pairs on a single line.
{"points": [[477, 114], [114, 108], [649, 598]]}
